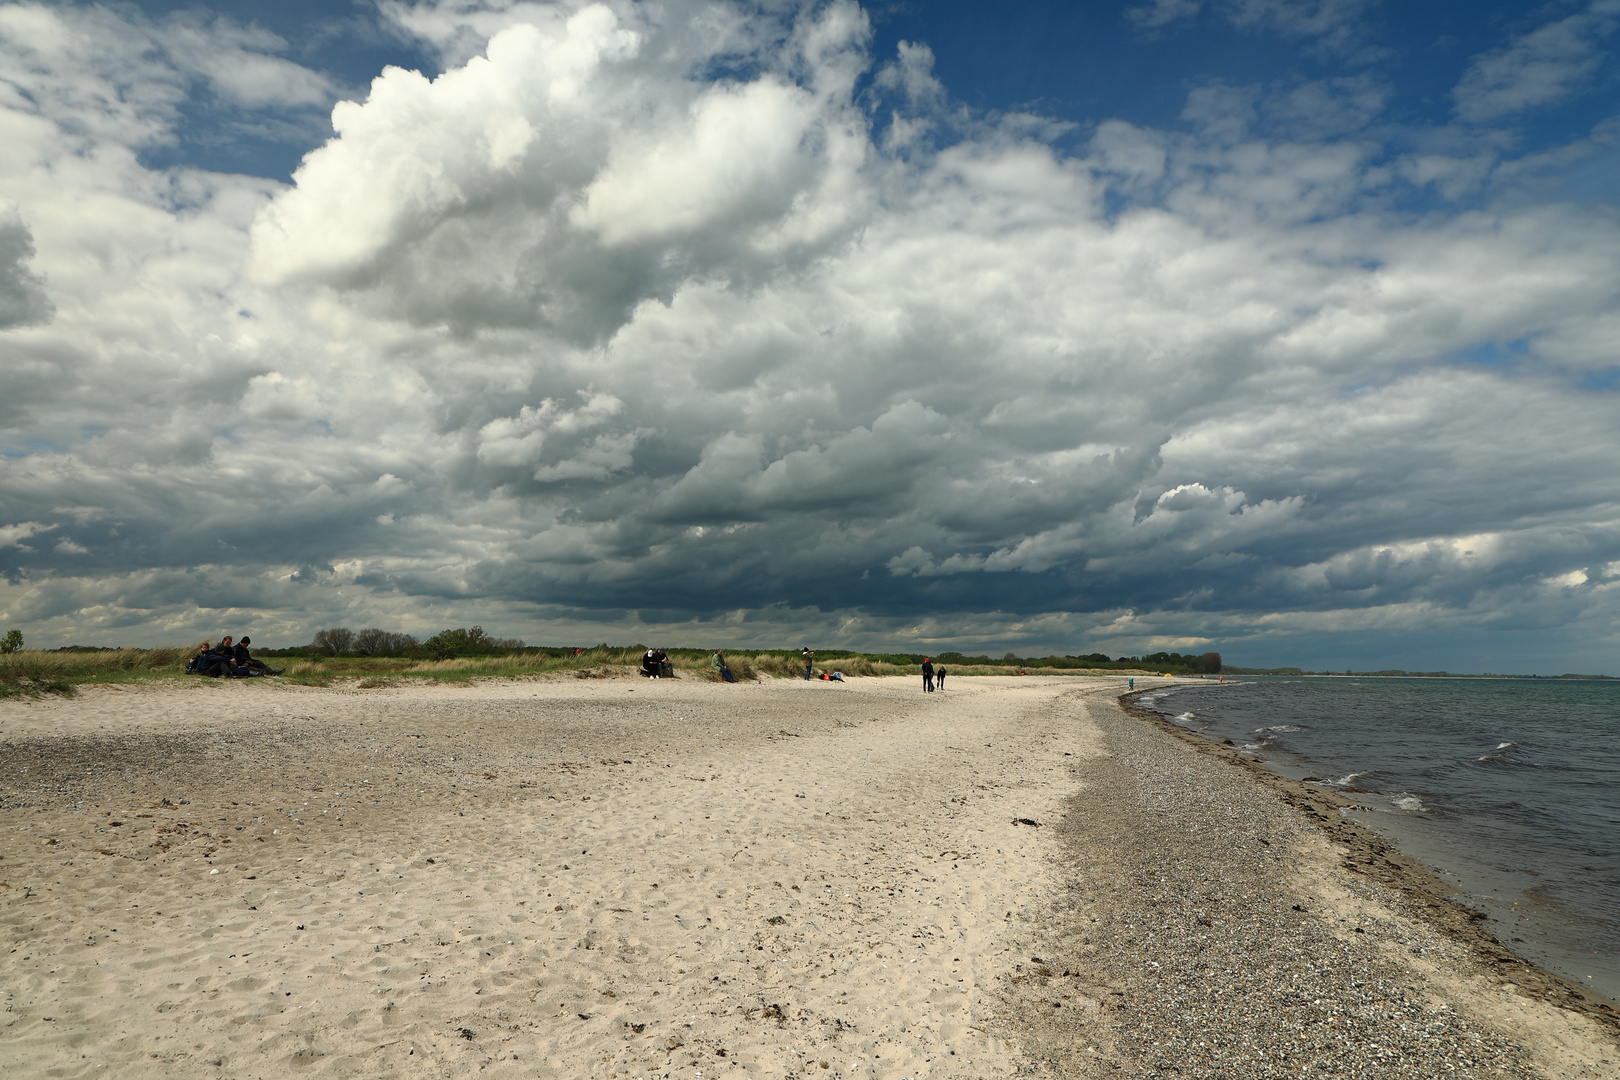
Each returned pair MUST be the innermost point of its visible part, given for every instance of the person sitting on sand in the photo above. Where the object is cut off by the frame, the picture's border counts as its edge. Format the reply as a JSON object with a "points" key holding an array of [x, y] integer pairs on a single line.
{"points": [[650, 664], [221, 661], [245, 660], [718, 663]]}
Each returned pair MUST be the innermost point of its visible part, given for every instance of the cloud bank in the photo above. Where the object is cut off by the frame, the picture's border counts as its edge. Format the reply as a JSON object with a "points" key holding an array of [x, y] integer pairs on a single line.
{"points": [[702, 321]]}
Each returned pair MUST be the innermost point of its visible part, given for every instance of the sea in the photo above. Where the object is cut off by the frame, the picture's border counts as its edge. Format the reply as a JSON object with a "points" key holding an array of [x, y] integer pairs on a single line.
{"points": [[1508, 788]]}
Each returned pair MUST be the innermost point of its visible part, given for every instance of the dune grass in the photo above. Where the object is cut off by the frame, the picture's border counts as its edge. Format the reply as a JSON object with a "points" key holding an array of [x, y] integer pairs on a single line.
{"points": [[34, 673]]}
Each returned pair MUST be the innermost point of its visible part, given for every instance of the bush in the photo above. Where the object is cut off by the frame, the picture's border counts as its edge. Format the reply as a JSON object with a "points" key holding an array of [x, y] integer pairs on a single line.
{"points": [[12, 643], [449, 644]]}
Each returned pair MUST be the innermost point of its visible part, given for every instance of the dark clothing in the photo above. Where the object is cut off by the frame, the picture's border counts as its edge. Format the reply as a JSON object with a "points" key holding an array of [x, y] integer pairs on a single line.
{"points": [[939, 678], [928, 677], [246, 664], [809, 661], [219, 661]]}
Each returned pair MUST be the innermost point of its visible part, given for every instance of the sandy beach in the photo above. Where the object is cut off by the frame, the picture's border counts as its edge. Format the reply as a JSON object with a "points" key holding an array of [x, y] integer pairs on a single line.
{"points": [[617, 877]]}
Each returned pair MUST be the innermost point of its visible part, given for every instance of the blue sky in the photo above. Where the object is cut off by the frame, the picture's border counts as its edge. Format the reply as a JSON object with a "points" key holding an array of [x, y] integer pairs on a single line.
{"points": [[1279, 327]]}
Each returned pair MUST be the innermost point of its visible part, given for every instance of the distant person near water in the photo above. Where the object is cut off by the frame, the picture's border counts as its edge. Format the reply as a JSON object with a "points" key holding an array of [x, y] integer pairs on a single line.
{"points": [[718, 662], [928, 675], [939, 677], [809, 661]]}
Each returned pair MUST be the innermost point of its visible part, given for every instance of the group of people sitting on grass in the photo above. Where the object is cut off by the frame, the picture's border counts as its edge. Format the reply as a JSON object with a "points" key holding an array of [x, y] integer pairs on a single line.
{"points": [[655, 665], [229, 660]]}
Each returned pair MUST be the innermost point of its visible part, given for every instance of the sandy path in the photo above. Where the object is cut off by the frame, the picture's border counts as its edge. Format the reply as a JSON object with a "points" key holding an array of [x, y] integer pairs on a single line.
{"points": [[609, 878]]}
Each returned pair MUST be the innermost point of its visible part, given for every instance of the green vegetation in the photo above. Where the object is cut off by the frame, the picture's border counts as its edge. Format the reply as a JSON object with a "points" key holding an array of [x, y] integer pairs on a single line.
{"points": [[33, 672], [375, 658], [13, 642]]}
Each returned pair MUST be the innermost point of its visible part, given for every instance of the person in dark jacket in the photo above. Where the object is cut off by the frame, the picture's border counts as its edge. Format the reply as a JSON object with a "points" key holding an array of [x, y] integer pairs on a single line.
{"points": [[220, 660], [928, 675], [939, 677], [246, 662]]}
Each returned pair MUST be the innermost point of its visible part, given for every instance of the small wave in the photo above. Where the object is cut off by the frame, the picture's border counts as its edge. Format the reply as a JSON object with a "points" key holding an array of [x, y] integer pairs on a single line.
{"points": [[1284, 728], [1505, 745], [1185, 718], [1504, 760], [1410, 803]]}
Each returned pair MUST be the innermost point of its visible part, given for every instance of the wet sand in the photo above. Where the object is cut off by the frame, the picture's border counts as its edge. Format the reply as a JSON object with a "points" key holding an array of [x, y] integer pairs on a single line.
{"points": [[623, 878]]}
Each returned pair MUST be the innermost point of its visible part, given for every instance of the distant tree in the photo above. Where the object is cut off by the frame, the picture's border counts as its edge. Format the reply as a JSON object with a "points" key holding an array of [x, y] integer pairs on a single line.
{"points": [[1210, 663], [374, 641], [1010, 658], [334, 641], [13, 642]]}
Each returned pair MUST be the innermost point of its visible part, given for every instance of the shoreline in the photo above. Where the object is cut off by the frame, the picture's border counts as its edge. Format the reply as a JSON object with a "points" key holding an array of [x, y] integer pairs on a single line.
{"points": [[1377, 857]]}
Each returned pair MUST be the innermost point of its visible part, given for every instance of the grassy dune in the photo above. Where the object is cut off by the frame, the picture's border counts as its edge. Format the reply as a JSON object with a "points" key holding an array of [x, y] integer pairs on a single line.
{"points": [[33, 672]]}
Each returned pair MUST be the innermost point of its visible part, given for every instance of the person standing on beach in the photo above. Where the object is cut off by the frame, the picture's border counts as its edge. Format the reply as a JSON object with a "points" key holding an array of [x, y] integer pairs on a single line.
{"points": [[1133, 682], [809, 659], [928, 675], [939, 677]]}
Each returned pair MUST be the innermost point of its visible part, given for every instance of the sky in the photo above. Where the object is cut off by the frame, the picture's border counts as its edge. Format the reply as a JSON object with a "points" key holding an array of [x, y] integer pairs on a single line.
{"points": [[1288, 329]]}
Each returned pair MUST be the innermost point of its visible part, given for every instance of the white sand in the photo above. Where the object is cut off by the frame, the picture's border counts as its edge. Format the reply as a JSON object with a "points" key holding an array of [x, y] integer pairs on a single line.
{"points": [[694, 892], [609, 878]]}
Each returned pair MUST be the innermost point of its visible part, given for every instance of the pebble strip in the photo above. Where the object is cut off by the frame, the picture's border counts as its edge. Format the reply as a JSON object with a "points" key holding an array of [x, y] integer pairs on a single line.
{"points": [[1186, 947]]}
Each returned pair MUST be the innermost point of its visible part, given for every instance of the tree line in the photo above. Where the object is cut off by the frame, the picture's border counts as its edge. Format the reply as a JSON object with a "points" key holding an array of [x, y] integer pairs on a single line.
{"points": [[375, 641]]}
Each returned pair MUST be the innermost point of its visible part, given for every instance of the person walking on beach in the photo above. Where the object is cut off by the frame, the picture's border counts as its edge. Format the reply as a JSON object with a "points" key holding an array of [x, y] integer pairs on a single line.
{"points": [[1133, 682], [928, 675], [939, 677], [718, 663], [809, 660]]}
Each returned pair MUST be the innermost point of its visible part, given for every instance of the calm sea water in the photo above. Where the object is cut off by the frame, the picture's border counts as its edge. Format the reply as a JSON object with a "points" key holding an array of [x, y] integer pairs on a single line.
{"points": [[1510, 788]]}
